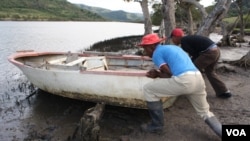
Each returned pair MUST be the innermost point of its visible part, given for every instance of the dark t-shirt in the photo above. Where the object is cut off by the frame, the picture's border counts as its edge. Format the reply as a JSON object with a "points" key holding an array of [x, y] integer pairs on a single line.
{"points": [[195, 44]]}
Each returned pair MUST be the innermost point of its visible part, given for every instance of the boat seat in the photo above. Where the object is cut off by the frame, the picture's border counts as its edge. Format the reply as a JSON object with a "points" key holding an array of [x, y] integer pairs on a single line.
{"points": [[95, 63], [65, 61], [71, 57], [79, 60], [58, 61], [88, 63]]}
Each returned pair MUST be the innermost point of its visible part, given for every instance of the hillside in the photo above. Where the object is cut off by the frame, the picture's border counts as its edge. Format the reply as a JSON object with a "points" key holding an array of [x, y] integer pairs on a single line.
{"points": [[43, 10], [114, 15]]}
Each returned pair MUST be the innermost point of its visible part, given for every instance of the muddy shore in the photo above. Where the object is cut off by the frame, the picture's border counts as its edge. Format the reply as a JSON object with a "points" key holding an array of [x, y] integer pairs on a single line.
{"points": [[46, 117]]}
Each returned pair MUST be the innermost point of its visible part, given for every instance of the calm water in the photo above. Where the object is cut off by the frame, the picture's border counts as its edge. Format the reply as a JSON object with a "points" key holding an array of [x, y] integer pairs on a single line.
{"points": [[18, 116], [55, 36]]}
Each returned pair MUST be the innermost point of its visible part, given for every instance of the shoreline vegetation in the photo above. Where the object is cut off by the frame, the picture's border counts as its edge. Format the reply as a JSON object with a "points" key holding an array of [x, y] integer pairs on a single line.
{"points": [[121, 44], [124, 45]]}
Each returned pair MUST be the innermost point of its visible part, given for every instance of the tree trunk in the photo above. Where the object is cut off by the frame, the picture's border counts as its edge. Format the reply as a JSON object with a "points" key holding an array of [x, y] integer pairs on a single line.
{"points": [[89, 123], [219, 11], [168, 12], [208, 23], [190, 25], [227, 39], [190, 21], [226, 32], [147, 19], [242, 22], [199, 6], [162, 29], [243, 62]]}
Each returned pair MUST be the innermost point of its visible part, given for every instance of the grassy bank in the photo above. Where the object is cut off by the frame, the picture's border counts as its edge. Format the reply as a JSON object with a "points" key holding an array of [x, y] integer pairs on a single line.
{"points": [[51, 10]]}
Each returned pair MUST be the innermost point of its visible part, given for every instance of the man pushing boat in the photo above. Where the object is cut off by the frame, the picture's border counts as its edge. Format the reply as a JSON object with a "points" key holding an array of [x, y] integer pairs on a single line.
{"points": [[176, 75]]}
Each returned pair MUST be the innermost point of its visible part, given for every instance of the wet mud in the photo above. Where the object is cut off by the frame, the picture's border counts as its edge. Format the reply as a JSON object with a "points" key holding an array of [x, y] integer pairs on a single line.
{"points": [[30, 114], [47, 117]]}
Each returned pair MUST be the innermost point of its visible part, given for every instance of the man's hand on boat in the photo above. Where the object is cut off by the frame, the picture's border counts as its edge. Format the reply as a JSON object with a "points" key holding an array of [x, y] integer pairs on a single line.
{"points": [[153, 73]]}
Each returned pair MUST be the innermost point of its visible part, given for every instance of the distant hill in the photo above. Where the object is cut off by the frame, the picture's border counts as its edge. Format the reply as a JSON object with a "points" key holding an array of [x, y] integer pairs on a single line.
{"points": [[60, 10], [114, 15], [44, 10]]}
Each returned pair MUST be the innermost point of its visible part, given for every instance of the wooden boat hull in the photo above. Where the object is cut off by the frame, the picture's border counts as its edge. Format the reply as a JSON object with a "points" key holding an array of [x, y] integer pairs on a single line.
{"points": [[120, 87]]}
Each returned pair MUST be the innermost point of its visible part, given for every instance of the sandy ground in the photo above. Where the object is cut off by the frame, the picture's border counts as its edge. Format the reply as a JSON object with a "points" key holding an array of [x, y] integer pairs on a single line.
{"points": [[45, 117]]}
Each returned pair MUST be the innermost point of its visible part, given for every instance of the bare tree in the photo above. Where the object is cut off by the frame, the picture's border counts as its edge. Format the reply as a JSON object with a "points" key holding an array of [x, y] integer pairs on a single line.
{"points": [[190, 25], [147, 18], [239, 7], [168, 12], [146, 15], [226, 30], [197, 5], [242, 62], [218, 13], [208, 24], [208, 21], [245, 60]]}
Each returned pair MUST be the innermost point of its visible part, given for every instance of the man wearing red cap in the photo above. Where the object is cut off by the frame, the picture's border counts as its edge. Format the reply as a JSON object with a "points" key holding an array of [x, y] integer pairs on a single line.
{"points": [[176, 75], [205, 54]]}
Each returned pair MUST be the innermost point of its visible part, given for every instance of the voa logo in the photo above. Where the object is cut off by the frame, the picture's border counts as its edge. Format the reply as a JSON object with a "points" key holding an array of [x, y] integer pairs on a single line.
{"points": [[236, 132]]}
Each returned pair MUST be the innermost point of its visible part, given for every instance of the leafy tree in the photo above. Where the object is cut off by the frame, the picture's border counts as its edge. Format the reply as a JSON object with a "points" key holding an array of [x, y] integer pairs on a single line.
{"points": [[157, 15]]}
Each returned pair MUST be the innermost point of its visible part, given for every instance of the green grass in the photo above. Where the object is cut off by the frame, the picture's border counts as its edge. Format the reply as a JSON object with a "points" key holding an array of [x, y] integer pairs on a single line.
{"points": [[44, 10], [246, 30], [232, 19]]}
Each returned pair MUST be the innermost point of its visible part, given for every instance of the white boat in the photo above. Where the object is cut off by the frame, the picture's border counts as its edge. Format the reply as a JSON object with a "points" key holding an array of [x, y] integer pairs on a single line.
{"points": [[97, 77]]}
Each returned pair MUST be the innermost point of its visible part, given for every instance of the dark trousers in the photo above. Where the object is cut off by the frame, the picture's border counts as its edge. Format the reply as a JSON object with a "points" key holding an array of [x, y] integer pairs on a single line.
{"points": [[206, 62]]}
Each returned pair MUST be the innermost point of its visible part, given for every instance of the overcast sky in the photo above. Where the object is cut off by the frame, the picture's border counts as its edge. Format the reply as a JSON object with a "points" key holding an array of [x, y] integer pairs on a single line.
{"points": [[133, 7]]}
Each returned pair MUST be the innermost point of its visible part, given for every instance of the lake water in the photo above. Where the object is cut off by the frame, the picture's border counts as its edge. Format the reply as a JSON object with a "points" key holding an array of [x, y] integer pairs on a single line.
{"points": [[56, 36], [43, 36]]}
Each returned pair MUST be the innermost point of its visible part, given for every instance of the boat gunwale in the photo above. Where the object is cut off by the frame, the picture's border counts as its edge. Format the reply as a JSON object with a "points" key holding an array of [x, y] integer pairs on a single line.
{"points": [[12, 58]]}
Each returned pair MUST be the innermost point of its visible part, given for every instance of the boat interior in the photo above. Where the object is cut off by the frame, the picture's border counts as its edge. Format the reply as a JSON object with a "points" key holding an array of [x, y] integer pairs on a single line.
{"points": [[74, 61]]}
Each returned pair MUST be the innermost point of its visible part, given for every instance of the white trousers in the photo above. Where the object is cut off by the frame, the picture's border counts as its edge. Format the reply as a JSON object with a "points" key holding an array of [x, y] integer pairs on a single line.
{"points": [[191, 85]]}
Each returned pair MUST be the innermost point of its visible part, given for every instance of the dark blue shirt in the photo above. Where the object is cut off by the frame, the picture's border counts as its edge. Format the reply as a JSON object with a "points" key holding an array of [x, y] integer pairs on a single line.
{"points": [[195, 44]]}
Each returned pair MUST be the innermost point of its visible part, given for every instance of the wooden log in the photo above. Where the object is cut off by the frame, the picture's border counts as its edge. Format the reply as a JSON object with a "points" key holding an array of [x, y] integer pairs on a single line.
{"points": [[89, 123]]}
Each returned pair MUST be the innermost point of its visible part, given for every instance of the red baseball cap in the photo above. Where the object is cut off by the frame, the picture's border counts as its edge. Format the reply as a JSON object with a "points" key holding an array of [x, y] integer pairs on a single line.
{"points": [[178, 32], [150, 39]]}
